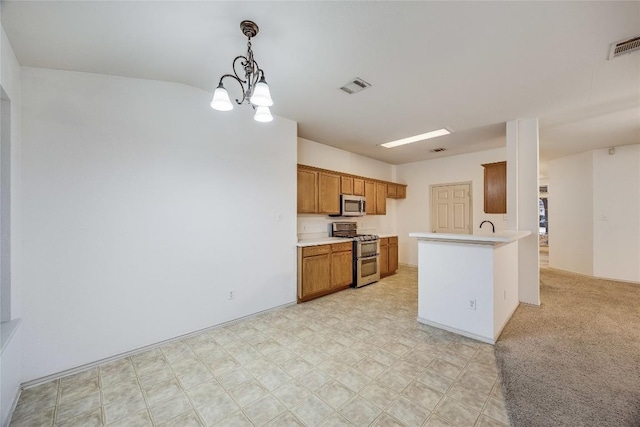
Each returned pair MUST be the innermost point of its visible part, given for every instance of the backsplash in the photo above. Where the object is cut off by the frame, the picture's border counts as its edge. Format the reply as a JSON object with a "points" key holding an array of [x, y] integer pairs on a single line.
{"points": [[318, 226]]}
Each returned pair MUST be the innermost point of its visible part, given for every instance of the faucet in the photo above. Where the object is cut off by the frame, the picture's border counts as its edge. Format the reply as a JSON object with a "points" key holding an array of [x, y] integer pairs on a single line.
{"points": [[493, 228]]}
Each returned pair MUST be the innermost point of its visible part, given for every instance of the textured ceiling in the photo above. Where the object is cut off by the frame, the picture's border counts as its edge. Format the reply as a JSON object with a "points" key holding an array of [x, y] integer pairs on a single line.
{"points": [[466, 66]]}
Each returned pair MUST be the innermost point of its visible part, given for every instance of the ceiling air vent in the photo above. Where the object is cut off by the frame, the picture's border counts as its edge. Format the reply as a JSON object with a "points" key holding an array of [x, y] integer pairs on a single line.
{"points": [[354, 86], [624, 46], [438, 150]]}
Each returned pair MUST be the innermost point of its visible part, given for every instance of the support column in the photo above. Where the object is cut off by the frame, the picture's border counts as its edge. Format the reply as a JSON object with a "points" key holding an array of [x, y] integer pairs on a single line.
{"points": [[522, 203]]}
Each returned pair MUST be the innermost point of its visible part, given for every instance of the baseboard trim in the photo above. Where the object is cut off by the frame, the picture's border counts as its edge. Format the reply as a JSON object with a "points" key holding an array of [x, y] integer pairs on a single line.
{"points": [[13, 408], [90, 365], [628, 282], [456, 331], [509, 318]]}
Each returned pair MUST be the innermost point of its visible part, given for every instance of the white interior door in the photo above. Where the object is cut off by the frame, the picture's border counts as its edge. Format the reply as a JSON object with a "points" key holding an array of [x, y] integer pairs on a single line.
{"points": [[451, 208]]}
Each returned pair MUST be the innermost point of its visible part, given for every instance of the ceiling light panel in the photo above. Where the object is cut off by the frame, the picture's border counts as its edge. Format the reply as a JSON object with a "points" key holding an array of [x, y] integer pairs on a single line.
{"points": [[412, 139]]}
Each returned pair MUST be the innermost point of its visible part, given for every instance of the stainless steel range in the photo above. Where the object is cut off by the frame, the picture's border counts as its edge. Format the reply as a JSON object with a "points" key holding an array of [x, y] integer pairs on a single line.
{"points": [[366, 252]]}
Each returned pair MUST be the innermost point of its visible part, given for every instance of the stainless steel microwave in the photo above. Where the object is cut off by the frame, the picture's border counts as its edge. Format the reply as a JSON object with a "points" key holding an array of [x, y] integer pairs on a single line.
{"points": [[352, 205]]}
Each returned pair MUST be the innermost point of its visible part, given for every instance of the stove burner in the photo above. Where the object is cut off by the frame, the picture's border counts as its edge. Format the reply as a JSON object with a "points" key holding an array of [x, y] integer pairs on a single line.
{"points": [[365, 237]]}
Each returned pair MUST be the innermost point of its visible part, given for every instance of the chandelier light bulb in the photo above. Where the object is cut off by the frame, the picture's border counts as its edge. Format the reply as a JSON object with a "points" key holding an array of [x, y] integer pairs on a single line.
{"points": [[263, 115], [261, 96], [221, 101]]}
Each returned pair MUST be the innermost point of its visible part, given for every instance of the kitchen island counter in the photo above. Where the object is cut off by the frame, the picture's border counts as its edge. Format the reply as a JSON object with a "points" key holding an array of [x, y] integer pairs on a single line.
{"points": [[468, 284]]}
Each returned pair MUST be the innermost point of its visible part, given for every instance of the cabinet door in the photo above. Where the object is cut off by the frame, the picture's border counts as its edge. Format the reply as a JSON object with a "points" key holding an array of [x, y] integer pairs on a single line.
{"points": [[370, 194], [316, 276], [347, 185], [393, 255], [392, 191], [401, 192], [341, 269], [495, 188], [358, 187], [329, 193], [384, 259], [307, 191], [381, 198]]}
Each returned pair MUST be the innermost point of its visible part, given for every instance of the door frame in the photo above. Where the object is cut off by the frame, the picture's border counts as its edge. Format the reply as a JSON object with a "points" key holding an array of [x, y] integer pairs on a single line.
{"points": [[432, 207]]}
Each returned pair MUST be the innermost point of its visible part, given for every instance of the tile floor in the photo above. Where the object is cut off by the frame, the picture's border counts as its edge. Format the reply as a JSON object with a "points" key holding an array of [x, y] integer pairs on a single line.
{"points": [[355, 358]]}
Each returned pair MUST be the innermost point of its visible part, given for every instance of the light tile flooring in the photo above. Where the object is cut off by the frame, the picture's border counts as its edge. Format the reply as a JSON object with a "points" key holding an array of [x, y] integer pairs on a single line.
{"points": [[355, 358]]}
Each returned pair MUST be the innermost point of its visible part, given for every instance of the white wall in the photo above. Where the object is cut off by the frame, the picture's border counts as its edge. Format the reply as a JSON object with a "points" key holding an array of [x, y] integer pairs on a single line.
{"points": [[571, 213], [594, 213], [415, 212], [616, 213], [10, 365], [142, 207], [323, 156]]}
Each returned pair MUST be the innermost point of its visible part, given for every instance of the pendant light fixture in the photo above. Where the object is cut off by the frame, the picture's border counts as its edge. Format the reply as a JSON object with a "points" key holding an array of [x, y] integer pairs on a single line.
{"points": [[255, 90]]}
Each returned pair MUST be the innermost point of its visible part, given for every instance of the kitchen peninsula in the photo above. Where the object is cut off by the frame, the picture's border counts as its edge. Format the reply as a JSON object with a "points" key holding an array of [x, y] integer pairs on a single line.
{"points": [[468, 283]]}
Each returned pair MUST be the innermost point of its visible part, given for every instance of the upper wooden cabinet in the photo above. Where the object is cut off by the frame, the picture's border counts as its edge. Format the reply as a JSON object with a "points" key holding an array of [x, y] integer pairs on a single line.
{"points": [[329, 193], [347, 185], [495, 188], [381, 198], [370, 194], [396, 191], [358, 187], [319, 191], [307, 191]]}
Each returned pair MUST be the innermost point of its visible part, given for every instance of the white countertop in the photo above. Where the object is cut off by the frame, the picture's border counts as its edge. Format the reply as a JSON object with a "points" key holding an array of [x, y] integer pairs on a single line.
{"points": [[385, 235], [498, 238], [322, 241], [330, 240]]}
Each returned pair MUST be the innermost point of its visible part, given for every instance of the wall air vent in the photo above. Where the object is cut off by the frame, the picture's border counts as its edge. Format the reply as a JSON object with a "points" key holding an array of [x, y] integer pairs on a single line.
{"points": [[438, 150], [624, 46], [354, 86]]}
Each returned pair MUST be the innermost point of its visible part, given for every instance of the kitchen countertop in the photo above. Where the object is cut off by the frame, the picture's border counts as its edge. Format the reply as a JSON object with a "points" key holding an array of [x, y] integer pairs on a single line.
{"points": [[328, 240], [322, 241], [500, 237]]}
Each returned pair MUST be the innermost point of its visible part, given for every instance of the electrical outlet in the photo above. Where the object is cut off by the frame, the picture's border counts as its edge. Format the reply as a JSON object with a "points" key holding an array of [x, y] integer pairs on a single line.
{"points": [[231, 294], [472, 304]]}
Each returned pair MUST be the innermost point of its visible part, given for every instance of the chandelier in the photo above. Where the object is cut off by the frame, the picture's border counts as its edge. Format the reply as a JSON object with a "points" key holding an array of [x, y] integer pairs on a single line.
{"points": [[255, 90]]}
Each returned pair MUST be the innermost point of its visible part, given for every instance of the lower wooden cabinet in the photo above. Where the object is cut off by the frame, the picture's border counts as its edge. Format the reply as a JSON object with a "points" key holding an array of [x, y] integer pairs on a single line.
{"points": [[388, 255], [324, 269]]}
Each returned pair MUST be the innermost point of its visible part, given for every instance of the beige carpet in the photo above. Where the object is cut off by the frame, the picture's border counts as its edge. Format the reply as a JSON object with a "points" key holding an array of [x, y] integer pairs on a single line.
{"points": [[575, 360]]}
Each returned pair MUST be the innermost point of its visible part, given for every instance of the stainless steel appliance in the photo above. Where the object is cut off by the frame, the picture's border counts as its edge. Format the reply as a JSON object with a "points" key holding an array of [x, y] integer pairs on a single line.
{"points": [[366, 252], [352, 205]]}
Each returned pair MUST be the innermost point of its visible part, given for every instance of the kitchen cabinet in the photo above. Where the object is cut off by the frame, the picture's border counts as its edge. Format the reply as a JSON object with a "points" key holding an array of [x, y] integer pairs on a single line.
{"points": [[388, 256], [401, 191], [329, 193], [384, 257], [319, 191], [381, 198], [495, 188], [324, 269], [341, 265], [396, 191], [392, 190], [307, 191], [358, 187], [393, 255], [347, 185], [370, 194]]}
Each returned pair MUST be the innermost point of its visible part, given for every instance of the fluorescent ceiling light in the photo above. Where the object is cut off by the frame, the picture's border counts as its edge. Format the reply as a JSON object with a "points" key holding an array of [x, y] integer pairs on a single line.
{"points": [[421, 137]]}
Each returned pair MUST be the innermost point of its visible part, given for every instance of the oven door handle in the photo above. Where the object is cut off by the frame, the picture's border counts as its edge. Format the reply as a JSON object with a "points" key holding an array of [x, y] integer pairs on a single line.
{"points": [[369, 256]]}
